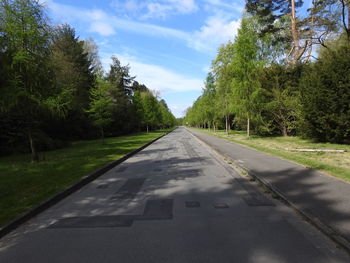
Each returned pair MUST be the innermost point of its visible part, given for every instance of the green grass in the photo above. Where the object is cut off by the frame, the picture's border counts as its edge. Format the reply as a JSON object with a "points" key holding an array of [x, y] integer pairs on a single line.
{"points": [[24, 184], [335, 164]]}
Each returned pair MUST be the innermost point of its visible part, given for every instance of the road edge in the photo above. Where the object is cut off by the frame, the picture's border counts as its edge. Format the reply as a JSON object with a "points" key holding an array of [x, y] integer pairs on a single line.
{"points": [[330, 232], [21, 219]]}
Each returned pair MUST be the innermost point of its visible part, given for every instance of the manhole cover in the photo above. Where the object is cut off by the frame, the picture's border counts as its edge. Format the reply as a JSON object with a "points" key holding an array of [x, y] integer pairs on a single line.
{"points": [[221, 205], [129, 189], [192, 204], [158, 209], [257, 201], [93, 222]]}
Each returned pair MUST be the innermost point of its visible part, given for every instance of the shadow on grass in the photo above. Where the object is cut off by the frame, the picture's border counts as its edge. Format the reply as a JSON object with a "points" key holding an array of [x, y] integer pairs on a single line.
{"points": [[24, 184], [204, 234]]}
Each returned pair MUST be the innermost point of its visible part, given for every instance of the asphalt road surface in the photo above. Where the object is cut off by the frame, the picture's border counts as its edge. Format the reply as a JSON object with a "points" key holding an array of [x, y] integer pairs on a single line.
{"points": [[175, 201]]}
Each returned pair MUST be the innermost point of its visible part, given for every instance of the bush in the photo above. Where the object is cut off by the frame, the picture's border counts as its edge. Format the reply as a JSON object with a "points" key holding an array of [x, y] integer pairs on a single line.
{"points": [[325, 96]]}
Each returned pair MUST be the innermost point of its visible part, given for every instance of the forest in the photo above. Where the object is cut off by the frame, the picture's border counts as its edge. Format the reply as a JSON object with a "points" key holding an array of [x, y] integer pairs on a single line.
{"points": [[54, 89], [287, 72]]}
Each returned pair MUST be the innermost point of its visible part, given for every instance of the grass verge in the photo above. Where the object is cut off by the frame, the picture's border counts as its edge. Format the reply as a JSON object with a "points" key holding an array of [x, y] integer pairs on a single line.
{"points": [[24, 184], [335, 164]]}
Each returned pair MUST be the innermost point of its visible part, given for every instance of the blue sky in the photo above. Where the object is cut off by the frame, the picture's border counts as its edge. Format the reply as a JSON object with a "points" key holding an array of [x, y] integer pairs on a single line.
{"points": [[169, 44]]}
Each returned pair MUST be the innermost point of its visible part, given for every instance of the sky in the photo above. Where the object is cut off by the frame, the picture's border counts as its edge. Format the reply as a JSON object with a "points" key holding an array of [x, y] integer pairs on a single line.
{"points": [[168, 44]]}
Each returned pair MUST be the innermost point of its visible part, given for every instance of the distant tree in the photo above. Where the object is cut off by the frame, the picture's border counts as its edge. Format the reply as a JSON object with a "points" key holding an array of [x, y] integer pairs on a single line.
{"points": [[151, 110], [120, 78], [101, 105], [91, 49], [245, 65], [74, 77], [223, 79], [138, 109], [138, 87], [121, 92]]}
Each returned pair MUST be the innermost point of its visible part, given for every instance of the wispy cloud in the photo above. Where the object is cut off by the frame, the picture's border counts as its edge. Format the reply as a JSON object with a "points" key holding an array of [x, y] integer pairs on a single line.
{"points": [[232, 5], [155, 77], [216, 30], [155, 9]]}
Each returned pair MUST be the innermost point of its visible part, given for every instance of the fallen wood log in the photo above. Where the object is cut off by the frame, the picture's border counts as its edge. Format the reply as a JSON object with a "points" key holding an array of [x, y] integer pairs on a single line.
{"points": [[317, 150]]}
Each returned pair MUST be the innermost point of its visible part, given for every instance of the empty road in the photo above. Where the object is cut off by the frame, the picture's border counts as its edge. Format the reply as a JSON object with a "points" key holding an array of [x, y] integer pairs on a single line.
{"points": [[175, 201]]}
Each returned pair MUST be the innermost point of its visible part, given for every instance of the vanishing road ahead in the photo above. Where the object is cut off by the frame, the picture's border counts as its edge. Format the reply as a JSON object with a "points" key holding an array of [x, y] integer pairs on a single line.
{"points": [[175, 201]]}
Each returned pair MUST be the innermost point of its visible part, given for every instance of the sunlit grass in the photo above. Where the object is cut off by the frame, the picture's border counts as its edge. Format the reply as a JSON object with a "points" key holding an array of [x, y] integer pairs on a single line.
{"points": [[24, 184], [336, 164]]}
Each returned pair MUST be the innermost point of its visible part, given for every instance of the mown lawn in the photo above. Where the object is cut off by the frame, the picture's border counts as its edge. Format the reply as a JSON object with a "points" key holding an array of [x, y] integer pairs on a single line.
{"points": [[24, 184], [336, 164]]}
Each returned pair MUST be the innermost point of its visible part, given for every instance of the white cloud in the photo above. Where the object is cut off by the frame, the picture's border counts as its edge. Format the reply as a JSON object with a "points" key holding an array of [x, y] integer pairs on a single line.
{"points": [[233, 5], [218, 29], [154, 76], [102, 28], [215, 32], [178, 109], [155, 8]]}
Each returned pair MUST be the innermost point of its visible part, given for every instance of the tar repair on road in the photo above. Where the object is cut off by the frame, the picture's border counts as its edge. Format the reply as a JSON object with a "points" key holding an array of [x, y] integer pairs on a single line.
{"points": [[172, 202]]}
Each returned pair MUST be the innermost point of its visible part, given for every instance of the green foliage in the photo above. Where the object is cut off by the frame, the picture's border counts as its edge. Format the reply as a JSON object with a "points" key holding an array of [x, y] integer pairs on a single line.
{"points": [[281, 105], [325, 96], [249, 85], [27, 88], [53, 88], [101, 105], [151, 110]]}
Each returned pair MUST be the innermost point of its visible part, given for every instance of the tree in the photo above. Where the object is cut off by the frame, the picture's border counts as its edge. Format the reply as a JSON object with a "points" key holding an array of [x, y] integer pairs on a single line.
{"points": [[91, 49], [325, 95], [124, 119], [245, 63], [151, 110], [101, 105], [28, 87], [209, 98], [223, 78], [281, 107], [74, 77], [271, 11]]}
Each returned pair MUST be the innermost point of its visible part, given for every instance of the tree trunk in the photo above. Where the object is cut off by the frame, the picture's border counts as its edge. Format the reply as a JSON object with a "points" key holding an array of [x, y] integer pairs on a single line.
{"points": [[284, 131], [147, 127], [102, 135], [226, 120], [348, 14], [248, 126], [295, 47], [35, 155], [348, 29]]}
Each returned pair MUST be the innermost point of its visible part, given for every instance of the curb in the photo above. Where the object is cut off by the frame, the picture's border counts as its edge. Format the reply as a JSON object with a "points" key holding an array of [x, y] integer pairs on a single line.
{"points": [[69, 190], [316, 222]]}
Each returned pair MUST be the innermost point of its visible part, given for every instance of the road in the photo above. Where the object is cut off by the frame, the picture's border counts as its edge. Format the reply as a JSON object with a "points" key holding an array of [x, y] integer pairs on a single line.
{"points": [[175, 201]]}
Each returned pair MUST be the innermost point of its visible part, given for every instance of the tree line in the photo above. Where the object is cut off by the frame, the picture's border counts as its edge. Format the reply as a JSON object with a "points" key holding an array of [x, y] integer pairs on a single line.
{"points": [[54, 90], [287, 72]]}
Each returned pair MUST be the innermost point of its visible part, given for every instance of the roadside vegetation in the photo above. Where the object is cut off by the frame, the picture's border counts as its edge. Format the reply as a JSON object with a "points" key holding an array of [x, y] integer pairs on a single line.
{"points": [[54, 90], [287, 73], [24, 184], [333, 163]]}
